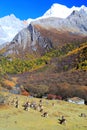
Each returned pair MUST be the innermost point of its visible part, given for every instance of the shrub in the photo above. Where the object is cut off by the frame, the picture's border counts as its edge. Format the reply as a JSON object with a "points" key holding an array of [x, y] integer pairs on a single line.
{"points": [[51, 96]]}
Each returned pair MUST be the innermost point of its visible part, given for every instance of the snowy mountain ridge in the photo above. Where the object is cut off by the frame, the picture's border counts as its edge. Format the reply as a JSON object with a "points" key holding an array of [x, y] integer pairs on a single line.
{"points": [[61, 11], [10, 25]]}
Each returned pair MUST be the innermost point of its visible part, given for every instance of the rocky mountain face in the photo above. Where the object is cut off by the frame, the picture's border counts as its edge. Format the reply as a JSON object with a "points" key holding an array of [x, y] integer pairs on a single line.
{"points": [[48, 33]]}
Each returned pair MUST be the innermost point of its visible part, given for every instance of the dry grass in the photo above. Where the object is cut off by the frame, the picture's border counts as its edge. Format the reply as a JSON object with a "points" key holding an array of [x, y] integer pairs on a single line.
{"points": [[18, 119]]}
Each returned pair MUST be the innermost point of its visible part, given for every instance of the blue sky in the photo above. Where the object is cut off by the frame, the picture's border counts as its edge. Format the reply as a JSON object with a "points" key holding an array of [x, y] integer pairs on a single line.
{"points": [[25, 9]]}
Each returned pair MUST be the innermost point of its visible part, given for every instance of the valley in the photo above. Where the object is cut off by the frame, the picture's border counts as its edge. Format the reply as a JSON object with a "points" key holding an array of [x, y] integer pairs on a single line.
{"points": [[41, 58]]}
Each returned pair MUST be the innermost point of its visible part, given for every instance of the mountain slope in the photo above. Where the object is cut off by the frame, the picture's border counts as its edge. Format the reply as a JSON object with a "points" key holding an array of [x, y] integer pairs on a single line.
{"points": [[61, 71], [64, 75], [50, 56], [10, 25], [48, 33]]}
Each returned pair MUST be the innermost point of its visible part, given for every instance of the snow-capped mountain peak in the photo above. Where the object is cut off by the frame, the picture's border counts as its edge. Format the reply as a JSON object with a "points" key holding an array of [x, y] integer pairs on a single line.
{"points": [[57, 10], [84, 8], [9, 27], [62, 11]]}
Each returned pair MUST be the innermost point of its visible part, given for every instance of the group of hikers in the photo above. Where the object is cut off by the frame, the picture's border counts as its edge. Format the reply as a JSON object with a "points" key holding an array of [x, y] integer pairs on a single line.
{"points": [[36, 106], [27, 105]]}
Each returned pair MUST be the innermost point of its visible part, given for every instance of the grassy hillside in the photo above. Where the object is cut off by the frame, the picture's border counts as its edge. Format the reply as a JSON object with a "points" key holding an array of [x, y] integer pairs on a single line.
{"points": [[12, 118]]}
